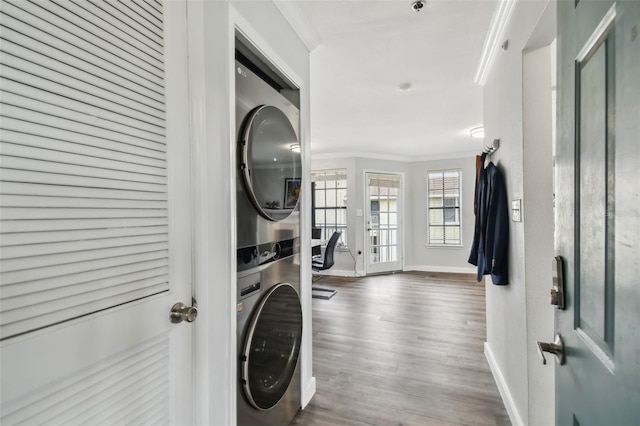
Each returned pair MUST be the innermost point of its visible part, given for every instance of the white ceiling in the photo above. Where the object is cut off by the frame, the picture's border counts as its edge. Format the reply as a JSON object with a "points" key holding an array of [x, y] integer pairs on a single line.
{"points": [[367, 49]]}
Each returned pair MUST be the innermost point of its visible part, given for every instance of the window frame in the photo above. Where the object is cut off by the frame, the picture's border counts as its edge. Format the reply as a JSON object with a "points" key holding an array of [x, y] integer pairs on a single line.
{"points": [[459, 242], [342, 241]]}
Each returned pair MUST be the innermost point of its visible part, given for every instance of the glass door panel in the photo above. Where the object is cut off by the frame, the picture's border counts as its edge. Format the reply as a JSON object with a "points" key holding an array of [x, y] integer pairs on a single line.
{"points": [[383, 222]]}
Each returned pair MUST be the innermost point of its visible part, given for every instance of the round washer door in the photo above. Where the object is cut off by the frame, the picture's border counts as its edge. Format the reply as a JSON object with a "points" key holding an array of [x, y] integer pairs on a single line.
{"points": [[270, 166], [272, 347]]}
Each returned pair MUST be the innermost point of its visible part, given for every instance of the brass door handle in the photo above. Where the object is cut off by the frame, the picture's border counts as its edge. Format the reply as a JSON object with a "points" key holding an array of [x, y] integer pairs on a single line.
{"points": [[556, 348]]}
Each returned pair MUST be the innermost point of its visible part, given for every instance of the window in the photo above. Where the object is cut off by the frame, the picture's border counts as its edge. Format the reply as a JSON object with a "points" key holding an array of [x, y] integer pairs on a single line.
{"points": [[329, 202], [443, 206]]}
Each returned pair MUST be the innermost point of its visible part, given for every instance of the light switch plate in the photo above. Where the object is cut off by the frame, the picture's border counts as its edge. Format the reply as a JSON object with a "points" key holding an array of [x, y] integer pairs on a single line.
{"points": [[358, 212], [515, 211]]}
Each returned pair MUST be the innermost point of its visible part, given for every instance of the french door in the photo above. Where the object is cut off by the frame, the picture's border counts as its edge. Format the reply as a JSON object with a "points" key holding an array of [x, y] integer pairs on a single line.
{"points": [[383, 200], [95, 219]]}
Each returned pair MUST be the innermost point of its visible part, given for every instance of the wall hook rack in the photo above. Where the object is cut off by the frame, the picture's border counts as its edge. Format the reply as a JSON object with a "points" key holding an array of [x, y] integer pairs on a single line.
{"points": [[490, 149]]}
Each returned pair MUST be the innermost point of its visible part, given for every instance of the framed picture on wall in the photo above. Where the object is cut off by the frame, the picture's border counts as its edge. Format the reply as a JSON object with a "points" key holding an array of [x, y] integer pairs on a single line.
{"points": [[291, 192]]}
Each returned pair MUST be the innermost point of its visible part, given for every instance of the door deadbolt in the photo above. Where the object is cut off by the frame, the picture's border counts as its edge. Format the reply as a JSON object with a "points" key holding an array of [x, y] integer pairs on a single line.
{"points": [[557, 291], [181, 312]]}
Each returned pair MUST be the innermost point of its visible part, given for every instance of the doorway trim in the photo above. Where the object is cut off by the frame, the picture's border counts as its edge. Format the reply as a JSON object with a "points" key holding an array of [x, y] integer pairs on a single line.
{"points": [[212, 31], [240, 28]]}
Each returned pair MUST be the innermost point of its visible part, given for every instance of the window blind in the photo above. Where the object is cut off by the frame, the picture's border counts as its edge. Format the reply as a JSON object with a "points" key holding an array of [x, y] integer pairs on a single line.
{"points": [[328, 175], [443, 204]]}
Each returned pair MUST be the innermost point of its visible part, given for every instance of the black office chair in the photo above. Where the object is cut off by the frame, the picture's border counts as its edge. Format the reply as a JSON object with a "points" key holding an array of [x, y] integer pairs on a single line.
{"points": [[321, 263]]}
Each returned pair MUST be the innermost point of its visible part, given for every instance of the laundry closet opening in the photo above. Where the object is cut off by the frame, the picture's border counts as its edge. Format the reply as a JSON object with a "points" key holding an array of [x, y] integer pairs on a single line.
{"points": [[268, 187]]}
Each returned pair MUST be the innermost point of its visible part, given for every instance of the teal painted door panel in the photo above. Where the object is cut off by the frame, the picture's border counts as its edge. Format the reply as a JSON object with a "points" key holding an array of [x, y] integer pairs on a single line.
{"points": [[598, 214]]}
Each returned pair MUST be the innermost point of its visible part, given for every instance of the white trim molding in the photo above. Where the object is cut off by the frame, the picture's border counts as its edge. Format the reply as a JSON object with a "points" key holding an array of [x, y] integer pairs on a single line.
{"points": [[248, 34], [403, 159], [347, 273], [503, 388], [492, 43], [599, 34], [291, 12], [309, 389], [372, 156], [444, 269]]}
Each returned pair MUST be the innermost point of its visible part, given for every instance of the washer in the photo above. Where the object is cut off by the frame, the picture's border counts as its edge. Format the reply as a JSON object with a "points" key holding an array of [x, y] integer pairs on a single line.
{"points": [[269, 337], [269, 313]]}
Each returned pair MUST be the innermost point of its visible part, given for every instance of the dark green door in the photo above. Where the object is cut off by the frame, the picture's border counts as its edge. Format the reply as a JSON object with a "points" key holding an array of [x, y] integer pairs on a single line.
{"points": [[598, 211]]}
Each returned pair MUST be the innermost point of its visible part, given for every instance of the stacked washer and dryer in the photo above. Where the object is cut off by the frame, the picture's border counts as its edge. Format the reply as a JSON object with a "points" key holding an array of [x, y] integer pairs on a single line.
{"points": [[269, 313]]}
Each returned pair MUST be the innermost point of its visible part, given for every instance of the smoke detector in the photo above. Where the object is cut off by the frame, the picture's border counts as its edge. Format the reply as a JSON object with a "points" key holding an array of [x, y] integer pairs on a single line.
{"points": [[417, 6], [404, 87]]}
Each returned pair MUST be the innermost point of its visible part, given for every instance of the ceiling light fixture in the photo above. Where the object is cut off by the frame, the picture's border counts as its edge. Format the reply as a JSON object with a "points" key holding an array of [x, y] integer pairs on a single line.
{"points": [[477, 132], [417, 6], [295, 147]]}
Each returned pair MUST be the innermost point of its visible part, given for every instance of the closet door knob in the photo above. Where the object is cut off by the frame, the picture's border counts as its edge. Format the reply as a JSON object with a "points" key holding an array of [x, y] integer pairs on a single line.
{"points": [[181, 312]]}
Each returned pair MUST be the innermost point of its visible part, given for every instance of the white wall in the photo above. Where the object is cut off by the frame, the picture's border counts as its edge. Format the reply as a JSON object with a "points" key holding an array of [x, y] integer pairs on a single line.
{"points": [[518, 314], [212, 26], [420, 256], [417, 256]]}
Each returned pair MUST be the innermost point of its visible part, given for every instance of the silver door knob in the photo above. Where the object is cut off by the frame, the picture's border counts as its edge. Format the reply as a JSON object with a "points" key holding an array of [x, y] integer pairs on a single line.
{"points": [[181, 312], [556, 348]]}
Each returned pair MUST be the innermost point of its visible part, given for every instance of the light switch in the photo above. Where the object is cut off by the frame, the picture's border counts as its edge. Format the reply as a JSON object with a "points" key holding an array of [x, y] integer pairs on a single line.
{"points": [[359, 212], [515, 211]]}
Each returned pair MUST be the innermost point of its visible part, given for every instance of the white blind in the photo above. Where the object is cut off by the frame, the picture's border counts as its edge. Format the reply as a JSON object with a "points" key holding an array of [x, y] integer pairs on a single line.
{"points": [[328, 175], [83, 180], [384, 181]]}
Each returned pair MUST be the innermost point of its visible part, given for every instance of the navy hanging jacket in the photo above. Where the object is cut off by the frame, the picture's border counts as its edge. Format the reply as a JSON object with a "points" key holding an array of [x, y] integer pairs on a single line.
{"points": [[489, 251]]}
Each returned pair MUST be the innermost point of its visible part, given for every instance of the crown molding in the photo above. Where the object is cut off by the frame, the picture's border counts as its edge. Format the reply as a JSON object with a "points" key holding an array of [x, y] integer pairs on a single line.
{"points": [[448, 156], [386, 157], [301, 25], [492, 43], [369, 155]]}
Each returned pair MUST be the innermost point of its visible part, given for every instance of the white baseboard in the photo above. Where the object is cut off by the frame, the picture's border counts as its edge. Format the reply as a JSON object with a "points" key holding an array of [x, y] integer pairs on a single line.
{"points": [[339, 273], [447, 269], [507, 398], [308, 391]]}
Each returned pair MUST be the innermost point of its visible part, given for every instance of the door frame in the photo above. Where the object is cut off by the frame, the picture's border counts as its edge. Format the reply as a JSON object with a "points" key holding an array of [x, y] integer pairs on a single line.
{"points": [[213, 27], [401, 219], [538, 188]]}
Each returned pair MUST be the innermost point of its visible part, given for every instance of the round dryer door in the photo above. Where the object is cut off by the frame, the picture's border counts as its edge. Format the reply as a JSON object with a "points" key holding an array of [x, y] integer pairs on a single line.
{"points": [[272, 347], [270, 162]]}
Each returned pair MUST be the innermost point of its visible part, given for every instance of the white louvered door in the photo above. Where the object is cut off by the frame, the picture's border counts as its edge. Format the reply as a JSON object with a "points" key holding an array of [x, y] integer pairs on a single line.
{"points": [[95, 227]]}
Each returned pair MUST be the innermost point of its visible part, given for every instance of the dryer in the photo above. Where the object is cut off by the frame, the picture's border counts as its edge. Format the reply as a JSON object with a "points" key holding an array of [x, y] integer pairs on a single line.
{"points": [[268, 178], [269, 313]]}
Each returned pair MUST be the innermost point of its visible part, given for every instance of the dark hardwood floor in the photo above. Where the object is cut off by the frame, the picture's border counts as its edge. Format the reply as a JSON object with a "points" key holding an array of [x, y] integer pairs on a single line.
{"points": [[402, 349]]}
